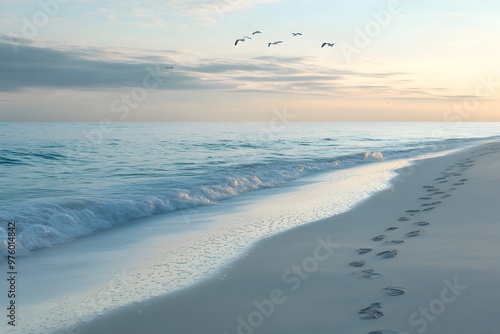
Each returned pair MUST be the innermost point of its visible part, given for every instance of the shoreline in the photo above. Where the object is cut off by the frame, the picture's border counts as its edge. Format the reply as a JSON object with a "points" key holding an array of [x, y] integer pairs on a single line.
{"points": [[175, 312]]}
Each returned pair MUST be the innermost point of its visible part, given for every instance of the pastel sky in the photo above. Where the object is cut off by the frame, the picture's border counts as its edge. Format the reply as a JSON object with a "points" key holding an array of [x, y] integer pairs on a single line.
{"points": [[393, 60]]}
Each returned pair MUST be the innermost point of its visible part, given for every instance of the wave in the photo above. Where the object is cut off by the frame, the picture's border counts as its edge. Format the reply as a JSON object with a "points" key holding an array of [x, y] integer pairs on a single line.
{"points": [[44, 224], [22, 157]]}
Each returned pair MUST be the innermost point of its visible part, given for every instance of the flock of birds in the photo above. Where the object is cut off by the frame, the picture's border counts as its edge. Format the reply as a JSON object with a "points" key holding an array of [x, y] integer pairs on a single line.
{"points": [[294, 34], [258, 32]]}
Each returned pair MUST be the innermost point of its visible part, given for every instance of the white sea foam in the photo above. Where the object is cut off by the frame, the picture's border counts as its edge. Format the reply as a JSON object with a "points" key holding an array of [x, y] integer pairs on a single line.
{"points": [[47, 224]]}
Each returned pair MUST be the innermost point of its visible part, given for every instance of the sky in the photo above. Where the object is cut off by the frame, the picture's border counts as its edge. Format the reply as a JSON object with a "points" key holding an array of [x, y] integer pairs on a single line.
{"points": [[393, 60]]}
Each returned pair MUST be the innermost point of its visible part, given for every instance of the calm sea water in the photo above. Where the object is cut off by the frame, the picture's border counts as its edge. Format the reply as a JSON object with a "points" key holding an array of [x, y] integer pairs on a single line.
{"points": [[62, 181]]}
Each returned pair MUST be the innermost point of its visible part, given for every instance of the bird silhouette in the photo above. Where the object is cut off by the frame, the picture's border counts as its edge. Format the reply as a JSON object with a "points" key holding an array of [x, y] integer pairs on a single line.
{"points": [[274, 43], [257, 32], [327, 44], [296, 34], [239, 40], [170, 67]]}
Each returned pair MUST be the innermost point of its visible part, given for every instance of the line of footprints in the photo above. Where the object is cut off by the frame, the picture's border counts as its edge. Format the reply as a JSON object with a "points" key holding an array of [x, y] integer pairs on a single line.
{"points": [[433, 196]]}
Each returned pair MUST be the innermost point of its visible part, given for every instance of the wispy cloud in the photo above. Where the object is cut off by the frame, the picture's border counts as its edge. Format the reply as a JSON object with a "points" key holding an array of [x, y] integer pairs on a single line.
{"points": [[41, 66], [211, 10], [152, 13], [47, 66]]}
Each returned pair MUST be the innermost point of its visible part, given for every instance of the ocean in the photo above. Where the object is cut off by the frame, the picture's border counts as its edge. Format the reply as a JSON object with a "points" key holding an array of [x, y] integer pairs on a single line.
{"points": [[151, 208]]}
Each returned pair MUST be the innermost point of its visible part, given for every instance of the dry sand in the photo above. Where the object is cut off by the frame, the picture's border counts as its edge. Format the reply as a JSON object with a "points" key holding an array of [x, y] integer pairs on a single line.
{"points": [[303, 281]]}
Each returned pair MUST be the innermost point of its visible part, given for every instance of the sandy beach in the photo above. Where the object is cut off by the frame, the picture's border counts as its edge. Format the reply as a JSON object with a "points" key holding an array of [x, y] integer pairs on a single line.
{"points": [[421, 257]]}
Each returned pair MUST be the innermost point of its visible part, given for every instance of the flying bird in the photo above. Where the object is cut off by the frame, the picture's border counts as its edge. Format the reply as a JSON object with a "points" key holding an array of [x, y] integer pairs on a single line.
{"points": [[239, 40], [296, 34], [257, 32], [329, 44], [170, 67], [274, 43]]}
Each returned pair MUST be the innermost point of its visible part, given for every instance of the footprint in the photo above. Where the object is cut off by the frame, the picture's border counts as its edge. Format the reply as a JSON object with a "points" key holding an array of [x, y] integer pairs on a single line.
{"points": [[453, 189], [429, 209], [388, 254], [458, 184], [431, 190], [426, 204], [440, 178], [428, 187], [394, 242], [362, 251], [412, 211], [464, 180], [392, 228], [436, 203], [446, 196], [368, 274], [444, 181], [403, 219], [393, 291], [438, 193], [425, 198], [379, 237], [372, 312], [422, 223], [413, 234], [383, 331], [357, 264]]}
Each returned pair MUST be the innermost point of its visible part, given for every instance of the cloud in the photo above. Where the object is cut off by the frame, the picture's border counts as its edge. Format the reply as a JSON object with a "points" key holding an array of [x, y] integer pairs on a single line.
{"points": [[211, 10], [153, 13], [41, 66]]}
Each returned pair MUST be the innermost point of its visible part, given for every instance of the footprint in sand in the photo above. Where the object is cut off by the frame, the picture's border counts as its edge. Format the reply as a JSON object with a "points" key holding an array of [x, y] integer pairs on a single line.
{"points": [[367, 274], [422, 223], [440, 178], [392, 228], [437, 193], [459, 184], [383, 331], [428, 187], [374, 311], [451, 189], [446, 196], [394, 242], [388, 254], [404, 219], [429, 209], [443, 181], [362, 251], [412, 211], [393, 291], [464, 180], [413, 234], [357, 264], [379, 237], [425, 198]]}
